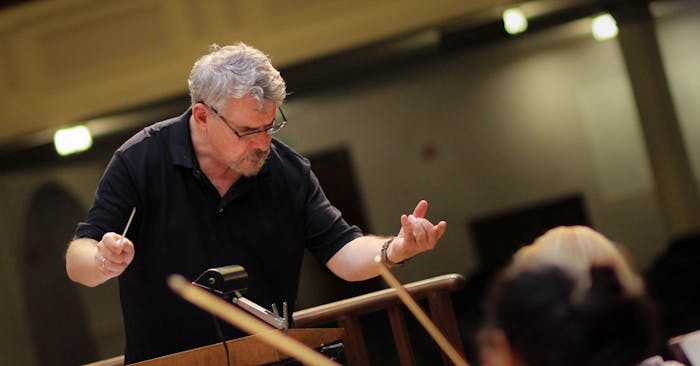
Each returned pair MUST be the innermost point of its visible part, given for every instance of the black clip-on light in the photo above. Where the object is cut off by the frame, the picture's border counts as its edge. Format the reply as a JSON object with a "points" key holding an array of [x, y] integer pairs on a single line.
{"points": [[230, 283]]}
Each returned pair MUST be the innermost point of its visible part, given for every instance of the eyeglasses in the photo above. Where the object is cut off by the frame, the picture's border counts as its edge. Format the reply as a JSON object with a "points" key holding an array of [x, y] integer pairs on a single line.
{"points": [[273, 129]]}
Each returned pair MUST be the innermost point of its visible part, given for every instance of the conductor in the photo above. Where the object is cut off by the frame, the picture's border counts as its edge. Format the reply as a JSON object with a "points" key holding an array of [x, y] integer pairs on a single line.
{"points": [[211, 188]]}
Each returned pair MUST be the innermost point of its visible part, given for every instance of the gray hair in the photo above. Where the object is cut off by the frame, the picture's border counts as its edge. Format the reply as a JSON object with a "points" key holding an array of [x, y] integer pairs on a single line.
{"points": [[232, 72]]}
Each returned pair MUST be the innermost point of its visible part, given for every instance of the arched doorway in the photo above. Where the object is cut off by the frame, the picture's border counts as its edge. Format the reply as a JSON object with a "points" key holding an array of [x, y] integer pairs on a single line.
{"points": [[56, 315]]}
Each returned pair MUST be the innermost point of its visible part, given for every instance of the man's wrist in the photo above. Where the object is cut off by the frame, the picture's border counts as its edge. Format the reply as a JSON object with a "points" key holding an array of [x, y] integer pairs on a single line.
{"points": [[385, 255]]}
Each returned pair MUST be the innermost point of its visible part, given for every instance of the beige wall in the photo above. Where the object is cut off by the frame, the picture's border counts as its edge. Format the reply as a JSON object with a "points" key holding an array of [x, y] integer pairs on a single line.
{"points": [[17, 189], [514, 122], [77, 59]]}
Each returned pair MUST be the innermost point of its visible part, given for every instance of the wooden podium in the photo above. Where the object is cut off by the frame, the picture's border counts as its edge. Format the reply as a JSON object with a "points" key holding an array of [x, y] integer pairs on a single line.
{"points": [[246, 351]]}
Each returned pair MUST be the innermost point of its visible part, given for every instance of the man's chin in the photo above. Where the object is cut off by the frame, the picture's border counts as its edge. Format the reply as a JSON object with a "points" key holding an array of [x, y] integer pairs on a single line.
{"points": [[251, 164], [250, 173], [249, 169]]}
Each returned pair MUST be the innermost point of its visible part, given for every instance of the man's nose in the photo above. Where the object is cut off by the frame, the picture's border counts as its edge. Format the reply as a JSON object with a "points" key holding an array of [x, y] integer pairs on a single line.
{"points": [[261, 140]]}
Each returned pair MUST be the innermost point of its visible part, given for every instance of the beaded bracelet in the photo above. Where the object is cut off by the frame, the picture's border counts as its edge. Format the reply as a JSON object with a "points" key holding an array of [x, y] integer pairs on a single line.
{"points": [[385, 257]]}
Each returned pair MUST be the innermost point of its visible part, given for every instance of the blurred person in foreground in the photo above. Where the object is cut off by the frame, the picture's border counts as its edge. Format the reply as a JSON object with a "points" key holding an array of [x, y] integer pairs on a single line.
{"points": [[571, 298], [213, 188]]}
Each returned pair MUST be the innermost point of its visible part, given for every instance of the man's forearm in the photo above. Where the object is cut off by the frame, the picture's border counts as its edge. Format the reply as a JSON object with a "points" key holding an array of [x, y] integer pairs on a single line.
{"points": [[355, 261]]}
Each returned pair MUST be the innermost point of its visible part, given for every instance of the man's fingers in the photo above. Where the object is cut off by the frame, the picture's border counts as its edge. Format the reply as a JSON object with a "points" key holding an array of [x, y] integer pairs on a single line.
{"points": [[120, 254], [128, 247], [440, 228], [113, 268], [406, 229], [111, 242], [426, 234], [421, 209], [103, 251], [418, 233], [419, 229], [127, 254]]}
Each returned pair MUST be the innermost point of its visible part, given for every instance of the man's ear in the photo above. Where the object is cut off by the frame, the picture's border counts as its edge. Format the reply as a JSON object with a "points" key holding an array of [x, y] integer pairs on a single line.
{"points": [[199, 114]]}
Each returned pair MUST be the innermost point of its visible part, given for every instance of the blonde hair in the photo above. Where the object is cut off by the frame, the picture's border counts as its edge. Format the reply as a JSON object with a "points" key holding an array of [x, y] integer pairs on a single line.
{"points": [[576, 249], [570, 298]]}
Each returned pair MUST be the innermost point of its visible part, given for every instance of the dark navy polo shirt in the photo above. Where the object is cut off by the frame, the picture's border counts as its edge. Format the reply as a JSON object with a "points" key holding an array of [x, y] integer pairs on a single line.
{"points": [[182, 225]]}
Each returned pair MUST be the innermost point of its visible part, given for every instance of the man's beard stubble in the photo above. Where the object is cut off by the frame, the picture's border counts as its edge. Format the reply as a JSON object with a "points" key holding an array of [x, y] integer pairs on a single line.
{"points": [[257, 155]]}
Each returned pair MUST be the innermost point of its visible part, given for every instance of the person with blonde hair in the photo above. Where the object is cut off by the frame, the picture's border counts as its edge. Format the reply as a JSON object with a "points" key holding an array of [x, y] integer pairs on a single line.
{"points": [[570, 298]]}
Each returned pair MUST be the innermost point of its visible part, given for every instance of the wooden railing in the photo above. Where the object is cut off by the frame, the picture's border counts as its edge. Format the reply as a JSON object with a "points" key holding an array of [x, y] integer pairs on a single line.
{"points": [[346, 313]]}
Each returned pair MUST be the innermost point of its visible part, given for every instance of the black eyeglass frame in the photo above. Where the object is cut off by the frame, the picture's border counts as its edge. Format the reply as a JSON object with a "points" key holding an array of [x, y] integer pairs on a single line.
{"points": [[276, 127]]}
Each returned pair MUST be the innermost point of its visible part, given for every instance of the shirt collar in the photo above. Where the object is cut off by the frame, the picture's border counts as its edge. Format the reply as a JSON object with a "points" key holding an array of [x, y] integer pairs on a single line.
{"points": [[180, 143]]}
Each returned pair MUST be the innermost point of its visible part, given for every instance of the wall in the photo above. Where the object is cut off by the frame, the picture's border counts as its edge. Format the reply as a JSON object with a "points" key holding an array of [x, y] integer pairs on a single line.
{"points": [[104, 315], [514, 122], [77, 59]]}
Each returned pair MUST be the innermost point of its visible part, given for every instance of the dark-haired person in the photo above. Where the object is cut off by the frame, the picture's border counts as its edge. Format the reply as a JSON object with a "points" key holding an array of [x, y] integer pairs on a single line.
{"points": [[571, 298], [212, 188]]}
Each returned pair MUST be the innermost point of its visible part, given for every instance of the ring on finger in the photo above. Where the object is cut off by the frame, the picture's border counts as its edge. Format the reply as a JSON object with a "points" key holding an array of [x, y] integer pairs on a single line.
{"points": [[104, 259]]}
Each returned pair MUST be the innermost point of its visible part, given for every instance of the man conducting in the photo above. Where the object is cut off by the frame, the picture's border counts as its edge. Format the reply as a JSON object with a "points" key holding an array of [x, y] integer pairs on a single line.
{"points": [[213, 188]]}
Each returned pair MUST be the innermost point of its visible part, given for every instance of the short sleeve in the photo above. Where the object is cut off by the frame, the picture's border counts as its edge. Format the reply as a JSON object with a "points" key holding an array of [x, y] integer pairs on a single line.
{"points": [[326, 230], [114, 199]]}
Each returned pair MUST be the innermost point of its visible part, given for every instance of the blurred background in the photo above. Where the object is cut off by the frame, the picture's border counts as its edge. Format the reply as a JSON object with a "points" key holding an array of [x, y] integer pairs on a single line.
{"points": [[509, 117]]}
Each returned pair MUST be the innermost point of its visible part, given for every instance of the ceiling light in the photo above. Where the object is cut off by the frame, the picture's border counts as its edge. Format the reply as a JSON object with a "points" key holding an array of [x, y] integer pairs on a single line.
{"points": [[72, 140], [514, 21], [604, 27]]}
